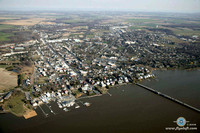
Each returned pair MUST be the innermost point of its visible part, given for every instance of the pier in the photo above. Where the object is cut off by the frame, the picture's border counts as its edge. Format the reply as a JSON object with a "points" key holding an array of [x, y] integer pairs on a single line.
{"points": [[50, 109], [109, 93], [43, 111], [168, 97]]}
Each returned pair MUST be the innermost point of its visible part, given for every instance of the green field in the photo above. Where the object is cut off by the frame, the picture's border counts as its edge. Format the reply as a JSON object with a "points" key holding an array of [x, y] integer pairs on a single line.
{"points": [[143, 26], [141, 20], [174, 39], [136, 27], [73, 21], [5, 27], [148, 23], [187, 32], [5, 36]]}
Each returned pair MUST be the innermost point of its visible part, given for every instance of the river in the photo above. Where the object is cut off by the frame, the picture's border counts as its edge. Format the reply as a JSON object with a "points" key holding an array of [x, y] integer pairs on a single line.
{"points": [[130, 109]]}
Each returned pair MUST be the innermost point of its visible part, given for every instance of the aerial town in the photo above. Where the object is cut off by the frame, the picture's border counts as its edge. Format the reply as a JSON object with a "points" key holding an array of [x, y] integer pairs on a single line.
{"points": [[66, 59]]}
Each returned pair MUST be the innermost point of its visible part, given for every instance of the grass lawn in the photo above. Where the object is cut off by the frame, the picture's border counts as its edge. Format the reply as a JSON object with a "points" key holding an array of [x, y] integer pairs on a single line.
{"points": [[90, 36], [3, 66], [42, 80], [15, 104]]}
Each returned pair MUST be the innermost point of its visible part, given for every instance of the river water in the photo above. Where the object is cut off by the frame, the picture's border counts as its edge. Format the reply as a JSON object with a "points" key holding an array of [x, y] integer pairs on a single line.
{"points": [[130, 109]]}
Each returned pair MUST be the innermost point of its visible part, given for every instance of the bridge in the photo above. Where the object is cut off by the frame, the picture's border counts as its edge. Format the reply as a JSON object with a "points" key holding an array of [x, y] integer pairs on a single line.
{"points": [[168, 97]]}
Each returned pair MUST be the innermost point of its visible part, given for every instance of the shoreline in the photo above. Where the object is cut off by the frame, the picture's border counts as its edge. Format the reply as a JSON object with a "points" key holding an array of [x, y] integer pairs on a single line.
{"points": [[123, 104], [173, 69], [33, 113]]}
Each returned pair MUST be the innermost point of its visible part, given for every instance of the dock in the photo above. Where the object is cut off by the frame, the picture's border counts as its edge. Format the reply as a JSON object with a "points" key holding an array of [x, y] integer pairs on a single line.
{"points": [[168, 97], [43, 111], [109, 93], [50, 109]]}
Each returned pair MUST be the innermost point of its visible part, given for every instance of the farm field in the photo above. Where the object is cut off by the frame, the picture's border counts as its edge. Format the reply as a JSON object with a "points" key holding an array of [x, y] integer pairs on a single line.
{"points": [[28, 22]]}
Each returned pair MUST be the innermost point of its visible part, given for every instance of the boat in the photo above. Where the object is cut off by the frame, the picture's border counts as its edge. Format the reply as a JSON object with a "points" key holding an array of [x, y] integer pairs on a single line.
{"points": [[68, 105], [65, 109], [77, 106], [87, 104], [60, 106]]}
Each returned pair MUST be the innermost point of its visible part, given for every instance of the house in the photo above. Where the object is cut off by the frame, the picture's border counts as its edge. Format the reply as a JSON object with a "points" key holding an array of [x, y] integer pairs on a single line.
{"points": [[27, 94], [85, 88], [8, 95], [84, 73], [1, 99]]}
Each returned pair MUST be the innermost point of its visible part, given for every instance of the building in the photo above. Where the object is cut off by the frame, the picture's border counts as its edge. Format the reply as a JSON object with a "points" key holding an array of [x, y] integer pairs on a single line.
{"points": [[19, 48]]}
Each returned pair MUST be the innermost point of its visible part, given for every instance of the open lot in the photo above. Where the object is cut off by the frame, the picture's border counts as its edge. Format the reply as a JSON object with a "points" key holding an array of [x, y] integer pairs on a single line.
{"points": [[29, 114], [27, 69], [7, 79]]}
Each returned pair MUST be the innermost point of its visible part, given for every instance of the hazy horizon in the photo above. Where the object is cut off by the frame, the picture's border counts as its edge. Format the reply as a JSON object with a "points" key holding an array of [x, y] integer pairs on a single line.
{"points": [[180, 6]]}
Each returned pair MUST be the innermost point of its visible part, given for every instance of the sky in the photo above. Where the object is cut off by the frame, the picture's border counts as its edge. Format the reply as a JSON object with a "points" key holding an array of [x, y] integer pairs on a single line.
{"points": [[186, 6]]}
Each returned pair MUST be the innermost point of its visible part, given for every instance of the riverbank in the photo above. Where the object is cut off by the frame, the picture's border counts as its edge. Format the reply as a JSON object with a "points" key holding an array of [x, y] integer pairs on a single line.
{"points": [[104, 92], [166, 69], [129, 105], [17, 106]]}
